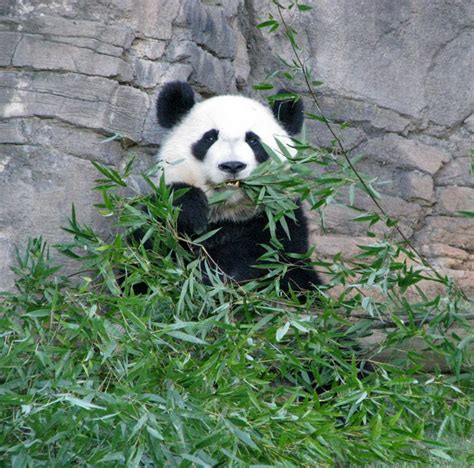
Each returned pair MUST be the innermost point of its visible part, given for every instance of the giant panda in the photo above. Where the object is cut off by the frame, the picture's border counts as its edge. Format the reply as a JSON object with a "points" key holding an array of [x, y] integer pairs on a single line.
{"points": [[218, 142]]}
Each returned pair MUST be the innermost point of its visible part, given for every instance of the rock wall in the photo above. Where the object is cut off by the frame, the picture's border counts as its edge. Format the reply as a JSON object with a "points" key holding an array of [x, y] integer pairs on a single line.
{"points": [[73, 73]]}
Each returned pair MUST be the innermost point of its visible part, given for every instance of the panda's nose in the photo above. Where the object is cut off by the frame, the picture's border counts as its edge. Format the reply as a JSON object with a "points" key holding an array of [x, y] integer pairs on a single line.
{"points": [[232, 167]]}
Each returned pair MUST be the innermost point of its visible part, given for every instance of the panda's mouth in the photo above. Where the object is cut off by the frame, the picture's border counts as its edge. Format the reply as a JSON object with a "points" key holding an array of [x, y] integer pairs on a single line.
{"points": [[227, 184], [232, 183]]}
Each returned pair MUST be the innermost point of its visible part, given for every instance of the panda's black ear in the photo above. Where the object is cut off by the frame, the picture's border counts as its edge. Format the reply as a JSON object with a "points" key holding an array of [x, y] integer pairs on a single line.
{"points": [[174, 102], [289, 113]]}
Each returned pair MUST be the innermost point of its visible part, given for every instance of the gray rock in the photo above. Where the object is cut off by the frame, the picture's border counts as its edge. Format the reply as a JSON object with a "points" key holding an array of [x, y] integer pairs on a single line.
{"points": [[359, 111], [409, 184], [408, 213], [414, 60], [94, 34], [321, 136], [91, 102], [211, 75], [11, 131], [36, 52], [80, 142], [158, 20], [37, 189], [150, 49], [241, 61], [339, 220], [469, 123], [450, 98], [208, 28], [417, 186], [9, 42], [453, 199], [407, 154], [456, 172], [450, 257], [455, 232], [148, 74], [329, 245]]}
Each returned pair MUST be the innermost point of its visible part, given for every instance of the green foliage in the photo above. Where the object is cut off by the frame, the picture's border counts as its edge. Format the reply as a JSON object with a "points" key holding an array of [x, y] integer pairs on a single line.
{"points": [[205, 375], [192, 374]]}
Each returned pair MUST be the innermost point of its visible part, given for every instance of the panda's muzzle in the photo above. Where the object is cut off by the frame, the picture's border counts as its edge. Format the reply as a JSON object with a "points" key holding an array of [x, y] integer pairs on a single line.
{"points": [[232, 167]]}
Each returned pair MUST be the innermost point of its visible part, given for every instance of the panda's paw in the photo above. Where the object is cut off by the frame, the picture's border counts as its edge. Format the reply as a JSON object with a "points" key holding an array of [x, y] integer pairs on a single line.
{"points": [[194, 207]]}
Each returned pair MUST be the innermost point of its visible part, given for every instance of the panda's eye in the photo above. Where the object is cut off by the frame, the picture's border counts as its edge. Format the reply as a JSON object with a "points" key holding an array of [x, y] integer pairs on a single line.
{"points": [[252, 139], [211, 136]]}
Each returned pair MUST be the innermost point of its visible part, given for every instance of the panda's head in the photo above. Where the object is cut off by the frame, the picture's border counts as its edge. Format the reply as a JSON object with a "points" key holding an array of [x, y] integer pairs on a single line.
{"points": [[218, 141]]}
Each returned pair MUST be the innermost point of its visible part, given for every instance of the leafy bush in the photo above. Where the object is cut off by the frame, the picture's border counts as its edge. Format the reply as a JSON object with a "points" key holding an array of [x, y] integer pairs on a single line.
{"points": [[192, 374], [201, 375]]}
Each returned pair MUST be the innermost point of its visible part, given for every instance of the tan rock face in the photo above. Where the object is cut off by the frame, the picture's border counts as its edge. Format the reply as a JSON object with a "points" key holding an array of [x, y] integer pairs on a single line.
{"points": [[418, 187], [456, 232], [450, 200], [449, 257], [407, 154]]}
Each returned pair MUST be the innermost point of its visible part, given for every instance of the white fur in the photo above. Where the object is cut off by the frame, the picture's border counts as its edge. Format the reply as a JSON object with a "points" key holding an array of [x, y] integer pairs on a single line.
{"points": [[233, 117]]}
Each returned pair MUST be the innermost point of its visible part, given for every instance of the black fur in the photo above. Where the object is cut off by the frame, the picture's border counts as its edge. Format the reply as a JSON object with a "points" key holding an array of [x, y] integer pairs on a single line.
{"points": [[289, 113], [253, 141], [194, 209], [201, 147], [174, 102], [237, 246]]}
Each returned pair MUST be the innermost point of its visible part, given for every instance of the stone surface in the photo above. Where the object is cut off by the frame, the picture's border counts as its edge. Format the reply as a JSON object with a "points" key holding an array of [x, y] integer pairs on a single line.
{"points": [[449, 257], [36, 52], [469, 123], [329, 245], [208, 28], [456, 172], [406, 154], [453, 199], [413, 58], [408, 213], [78, 82], [359, 111], [11, 131], [417, 186], [82, 143], [455, 232], [210, 75], [351, 137], [37, 189], [91, 102], [9, 41], [150, 49], [148, 74], [241, 61]]}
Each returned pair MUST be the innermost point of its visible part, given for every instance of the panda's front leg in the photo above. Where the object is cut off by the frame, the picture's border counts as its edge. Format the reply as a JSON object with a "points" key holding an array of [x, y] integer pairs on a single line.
{"points": [[194, 215]]}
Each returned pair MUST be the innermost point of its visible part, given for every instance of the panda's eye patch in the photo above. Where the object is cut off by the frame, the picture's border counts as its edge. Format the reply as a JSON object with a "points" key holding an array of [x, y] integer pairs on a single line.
{"points": [[200, 147], [252, 139], [211, 135]]}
